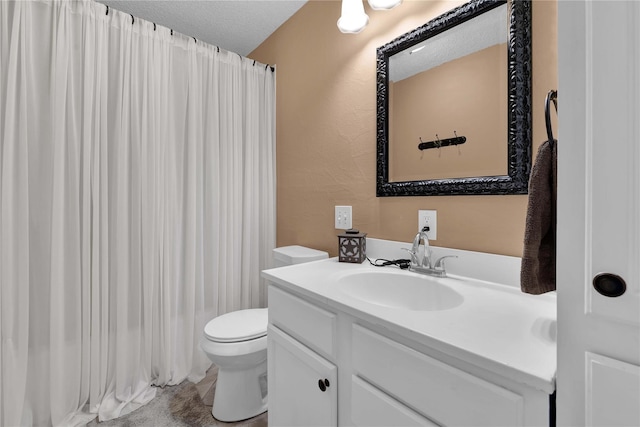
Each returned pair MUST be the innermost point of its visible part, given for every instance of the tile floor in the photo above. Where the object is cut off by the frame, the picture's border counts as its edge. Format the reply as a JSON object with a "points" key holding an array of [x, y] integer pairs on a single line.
{"points": [[184, 405]]}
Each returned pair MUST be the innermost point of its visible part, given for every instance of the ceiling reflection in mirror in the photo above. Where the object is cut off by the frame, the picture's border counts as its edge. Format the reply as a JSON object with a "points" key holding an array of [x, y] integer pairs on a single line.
{"points": [[453, 104]]}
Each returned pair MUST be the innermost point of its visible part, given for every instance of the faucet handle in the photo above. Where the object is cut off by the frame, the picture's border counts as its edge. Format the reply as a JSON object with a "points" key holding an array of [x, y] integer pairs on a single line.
{"points": [[413, 254], [440, 262]]}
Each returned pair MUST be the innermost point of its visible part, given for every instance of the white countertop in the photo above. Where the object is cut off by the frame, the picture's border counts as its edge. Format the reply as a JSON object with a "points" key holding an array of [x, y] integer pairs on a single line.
{"points": [[497, 327]]}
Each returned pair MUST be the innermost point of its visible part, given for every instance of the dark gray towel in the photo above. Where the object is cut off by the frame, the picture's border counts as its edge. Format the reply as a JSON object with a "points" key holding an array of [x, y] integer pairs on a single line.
{"points": [[538, 271]]}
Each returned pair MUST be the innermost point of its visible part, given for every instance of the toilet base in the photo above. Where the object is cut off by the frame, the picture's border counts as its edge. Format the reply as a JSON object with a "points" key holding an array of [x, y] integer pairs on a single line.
{"points": [[243, 393]]}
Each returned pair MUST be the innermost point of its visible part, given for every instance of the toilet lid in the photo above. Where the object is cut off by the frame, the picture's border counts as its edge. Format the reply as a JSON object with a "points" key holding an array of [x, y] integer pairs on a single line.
{"points": [[241, 325]]}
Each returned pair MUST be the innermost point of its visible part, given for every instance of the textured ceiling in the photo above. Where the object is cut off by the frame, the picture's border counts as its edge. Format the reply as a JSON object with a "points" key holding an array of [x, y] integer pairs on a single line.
{"points": [[235, 25]]}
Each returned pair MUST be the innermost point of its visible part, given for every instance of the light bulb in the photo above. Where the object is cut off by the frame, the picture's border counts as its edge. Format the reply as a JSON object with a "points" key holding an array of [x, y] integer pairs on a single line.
{"points": [[353, 18], [384, 4]]}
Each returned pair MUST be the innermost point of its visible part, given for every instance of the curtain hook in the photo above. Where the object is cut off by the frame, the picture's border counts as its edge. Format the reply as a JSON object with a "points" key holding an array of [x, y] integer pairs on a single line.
{"points": [[172, 31], [154, 26], [132, 20], [107, 11], [194, 40]]}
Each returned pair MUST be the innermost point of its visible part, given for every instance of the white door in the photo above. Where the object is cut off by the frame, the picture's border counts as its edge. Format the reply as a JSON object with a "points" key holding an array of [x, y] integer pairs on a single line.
{"points": [[598, 380], [303, 389]]}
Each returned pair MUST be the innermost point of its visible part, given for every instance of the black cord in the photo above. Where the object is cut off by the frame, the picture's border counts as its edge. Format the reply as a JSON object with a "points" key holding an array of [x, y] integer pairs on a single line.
{"points": [[400, 263]]}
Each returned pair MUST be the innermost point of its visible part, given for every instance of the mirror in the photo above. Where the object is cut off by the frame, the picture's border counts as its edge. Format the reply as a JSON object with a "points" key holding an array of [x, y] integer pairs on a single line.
{"points": [[453, 100]]}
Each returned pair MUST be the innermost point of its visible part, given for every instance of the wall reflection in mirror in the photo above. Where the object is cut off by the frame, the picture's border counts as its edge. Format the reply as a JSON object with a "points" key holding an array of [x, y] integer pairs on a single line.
{"points": [[465, 73]]}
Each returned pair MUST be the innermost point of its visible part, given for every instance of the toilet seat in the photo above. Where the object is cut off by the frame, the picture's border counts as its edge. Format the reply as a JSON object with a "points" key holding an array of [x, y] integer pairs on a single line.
{"points": [[238, 326]]}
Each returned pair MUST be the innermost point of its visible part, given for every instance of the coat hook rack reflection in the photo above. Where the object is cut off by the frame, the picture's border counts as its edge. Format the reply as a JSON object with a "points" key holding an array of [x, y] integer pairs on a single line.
{"points": [[438, 143]]}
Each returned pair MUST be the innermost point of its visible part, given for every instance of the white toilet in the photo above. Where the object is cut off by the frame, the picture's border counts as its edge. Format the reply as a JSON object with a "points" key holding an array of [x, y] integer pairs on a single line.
{"points": [[236, 342]]}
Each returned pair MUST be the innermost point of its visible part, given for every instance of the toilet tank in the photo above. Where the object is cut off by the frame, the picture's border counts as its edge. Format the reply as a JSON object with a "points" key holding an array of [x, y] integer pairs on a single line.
{"points": [[290, 255]]}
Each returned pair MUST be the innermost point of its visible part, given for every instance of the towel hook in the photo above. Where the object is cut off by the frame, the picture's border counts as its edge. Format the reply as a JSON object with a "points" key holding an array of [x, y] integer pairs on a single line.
{"points": [[457, 143]]}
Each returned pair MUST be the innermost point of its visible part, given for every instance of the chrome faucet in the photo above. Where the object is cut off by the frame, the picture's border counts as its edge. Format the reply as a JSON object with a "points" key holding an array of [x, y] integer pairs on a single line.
{"points": [[424, 265], [426, 258]]}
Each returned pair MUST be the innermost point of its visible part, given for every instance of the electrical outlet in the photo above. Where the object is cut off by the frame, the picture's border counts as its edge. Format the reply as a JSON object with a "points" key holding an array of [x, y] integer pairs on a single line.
{"points": [[343, 217], [429, 219]]}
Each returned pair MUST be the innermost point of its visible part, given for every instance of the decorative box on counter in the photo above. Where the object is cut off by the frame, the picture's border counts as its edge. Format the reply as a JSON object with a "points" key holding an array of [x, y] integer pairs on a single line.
{"points": [[352, 246]]}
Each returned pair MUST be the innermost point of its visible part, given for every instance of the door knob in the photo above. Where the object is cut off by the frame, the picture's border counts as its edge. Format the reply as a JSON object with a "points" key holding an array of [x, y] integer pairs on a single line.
{"points": [[609, 285]]}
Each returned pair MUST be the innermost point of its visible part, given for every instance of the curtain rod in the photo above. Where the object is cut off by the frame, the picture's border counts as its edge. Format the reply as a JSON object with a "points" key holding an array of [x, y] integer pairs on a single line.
{"points": [[196, 41]]}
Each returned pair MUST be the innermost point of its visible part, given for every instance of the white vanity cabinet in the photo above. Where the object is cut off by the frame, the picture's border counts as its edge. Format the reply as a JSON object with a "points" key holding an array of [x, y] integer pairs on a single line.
{"points": [[377, 376], [302, 380]]}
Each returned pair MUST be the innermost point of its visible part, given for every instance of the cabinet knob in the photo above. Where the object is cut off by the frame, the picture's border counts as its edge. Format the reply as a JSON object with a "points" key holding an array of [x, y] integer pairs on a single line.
{"points": [[323, 384]]}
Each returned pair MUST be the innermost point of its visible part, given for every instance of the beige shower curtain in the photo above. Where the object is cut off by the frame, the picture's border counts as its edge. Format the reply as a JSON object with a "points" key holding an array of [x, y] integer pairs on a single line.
{"points": [[136, 203]]}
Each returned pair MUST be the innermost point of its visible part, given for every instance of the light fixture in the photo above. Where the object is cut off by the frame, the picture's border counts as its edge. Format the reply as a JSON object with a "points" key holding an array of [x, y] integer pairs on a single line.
{"points": [[353, 18], [384, 4]]}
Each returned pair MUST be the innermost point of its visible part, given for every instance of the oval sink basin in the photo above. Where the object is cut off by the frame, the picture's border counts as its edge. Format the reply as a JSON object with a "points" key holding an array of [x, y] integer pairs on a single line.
{"points": [[402, 290]]}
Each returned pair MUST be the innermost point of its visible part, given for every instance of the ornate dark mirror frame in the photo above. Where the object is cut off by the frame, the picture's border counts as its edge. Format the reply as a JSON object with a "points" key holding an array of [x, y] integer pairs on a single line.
{"points": [[519, 106]]}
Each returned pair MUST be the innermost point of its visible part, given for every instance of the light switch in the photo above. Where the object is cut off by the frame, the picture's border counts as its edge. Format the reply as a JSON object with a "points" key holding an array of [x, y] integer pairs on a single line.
{"points": [[343, 217]]}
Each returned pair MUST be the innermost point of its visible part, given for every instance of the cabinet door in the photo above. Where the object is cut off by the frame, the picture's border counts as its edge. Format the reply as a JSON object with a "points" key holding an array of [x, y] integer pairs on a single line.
{"points": [[296, 397]]}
